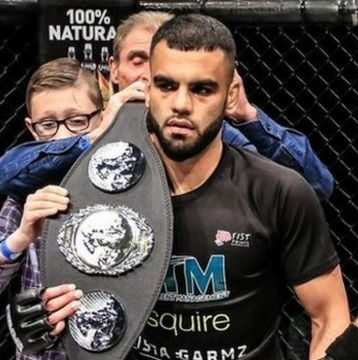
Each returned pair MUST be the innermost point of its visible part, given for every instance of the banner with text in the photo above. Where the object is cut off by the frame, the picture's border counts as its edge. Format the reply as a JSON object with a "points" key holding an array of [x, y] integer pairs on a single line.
{"points": [[83, 30]]}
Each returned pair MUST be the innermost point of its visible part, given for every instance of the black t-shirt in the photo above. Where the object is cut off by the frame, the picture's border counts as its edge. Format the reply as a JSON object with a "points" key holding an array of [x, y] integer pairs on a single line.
{"points": [[252, 228]]}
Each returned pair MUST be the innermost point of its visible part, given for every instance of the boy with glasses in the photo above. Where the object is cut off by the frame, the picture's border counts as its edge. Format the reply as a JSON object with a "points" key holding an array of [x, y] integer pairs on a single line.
{"points": [[63, 102]]}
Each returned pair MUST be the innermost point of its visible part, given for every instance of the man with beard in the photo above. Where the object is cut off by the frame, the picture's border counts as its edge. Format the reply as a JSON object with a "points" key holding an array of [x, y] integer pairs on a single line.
{"points": [[236, 245], [284, 232]]}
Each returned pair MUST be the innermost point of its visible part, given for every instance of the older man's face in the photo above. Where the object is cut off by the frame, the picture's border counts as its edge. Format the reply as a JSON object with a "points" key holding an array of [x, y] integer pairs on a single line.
{"points": [[133, 61]]}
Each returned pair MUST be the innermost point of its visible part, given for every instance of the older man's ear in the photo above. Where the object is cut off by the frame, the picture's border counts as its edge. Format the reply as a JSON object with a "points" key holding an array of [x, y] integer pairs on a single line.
{"points": [[113, 67]]}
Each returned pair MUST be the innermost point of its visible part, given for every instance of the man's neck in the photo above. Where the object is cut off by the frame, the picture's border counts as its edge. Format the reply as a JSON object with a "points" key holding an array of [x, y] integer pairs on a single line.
{"points": [[188, 175]]}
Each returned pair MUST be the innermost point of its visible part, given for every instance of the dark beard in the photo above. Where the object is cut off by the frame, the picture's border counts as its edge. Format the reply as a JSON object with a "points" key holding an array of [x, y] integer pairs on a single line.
{"points": [[183, 152]]}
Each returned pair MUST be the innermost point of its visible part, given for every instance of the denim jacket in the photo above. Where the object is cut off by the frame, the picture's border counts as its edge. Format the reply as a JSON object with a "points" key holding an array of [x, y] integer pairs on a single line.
{"points": [[32, 165], [35, 164], [283, 145]]}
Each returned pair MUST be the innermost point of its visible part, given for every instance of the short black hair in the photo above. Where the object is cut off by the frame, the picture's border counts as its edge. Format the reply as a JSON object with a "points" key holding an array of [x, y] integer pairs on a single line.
{"points": [[196, 32]]}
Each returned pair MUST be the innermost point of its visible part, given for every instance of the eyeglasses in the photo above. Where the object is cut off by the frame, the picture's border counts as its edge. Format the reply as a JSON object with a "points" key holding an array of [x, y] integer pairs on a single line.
{"points": [[75, 124]]}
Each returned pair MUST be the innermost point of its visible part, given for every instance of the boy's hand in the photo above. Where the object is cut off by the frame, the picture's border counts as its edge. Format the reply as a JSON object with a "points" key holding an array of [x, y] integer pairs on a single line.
{"points": [[132, 92], [45, 202]]}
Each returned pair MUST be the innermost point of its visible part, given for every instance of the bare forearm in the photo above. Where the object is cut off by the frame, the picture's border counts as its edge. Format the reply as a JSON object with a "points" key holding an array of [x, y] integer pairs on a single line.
{"points": [[325, 301], [324, 333]]}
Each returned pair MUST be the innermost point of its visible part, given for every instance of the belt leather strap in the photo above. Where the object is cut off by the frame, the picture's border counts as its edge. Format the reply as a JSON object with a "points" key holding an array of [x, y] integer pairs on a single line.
{"points": [[139, 289]]}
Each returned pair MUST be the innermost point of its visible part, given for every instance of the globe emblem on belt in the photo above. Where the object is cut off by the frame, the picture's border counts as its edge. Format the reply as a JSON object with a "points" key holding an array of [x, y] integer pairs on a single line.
{"points": [[105, 239], [116, 166], [99, 323]]}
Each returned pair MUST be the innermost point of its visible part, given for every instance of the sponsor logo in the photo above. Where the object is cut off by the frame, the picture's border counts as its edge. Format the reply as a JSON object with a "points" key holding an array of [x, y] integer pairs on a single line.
{"points": [[234, 239], [156, 352], [187, 281], [194, 323]]}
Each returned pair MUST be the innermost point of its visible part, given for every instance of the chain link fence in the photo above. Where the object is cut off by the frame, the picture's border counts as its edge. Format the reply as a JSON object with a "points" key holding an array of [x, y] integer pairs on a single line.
{"points": [[306, 77], [303, 75]]}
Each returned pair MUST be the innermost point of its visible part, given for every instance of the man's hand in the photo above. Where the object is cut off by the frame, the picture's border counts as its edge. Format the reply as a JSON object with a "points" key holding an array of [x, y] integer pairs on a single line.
{"points": [[133, 92], [36, 317], [244, 111], [60, 302], [45, 202]]}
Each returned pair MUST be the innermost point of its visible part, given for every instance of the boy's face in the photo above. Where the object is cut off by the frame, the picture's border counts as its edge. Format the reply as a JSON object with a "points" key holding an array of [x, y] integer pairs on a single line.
{"points": [[61, 104]]}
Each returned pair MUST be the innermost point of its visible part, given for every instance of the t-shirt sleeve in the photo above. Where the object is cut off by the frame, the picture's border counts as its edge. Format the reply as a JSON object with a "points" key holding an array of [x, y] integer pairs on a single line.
{"points": [[306, 249]]}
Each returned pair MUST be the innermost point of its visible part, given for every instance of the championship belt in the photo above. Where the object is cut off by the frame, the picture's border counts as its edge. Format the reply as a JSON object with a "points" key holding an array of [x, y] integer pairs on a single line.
{"points": [[115, 240]]}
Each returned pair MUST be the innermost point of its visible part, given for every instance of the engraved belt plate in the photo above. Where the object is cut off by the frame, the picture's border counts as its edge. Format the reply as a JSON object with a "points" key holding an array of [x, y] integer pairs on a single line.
{"points": [[105, 239], [99, 323], [116, 167]]}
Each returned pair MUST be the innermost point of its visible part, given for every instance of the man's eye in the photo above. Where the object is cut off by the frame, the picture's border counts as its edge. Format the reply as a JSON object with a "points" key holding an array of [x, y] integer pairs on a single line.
{"points": [[139, 61], [165, 87], [202, 90]]}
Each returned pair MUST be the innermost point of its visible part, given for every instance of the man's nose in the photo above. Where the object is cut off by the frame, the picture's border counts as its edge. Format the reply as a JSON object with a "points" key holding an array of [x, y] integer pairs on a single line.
{"points": [[182, 101]]}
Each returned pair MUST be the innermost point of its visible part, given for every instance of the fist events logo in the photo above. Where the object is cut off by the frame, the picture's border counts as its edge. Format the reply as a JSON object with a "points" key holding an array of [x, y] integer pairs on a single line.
{"points": [[234, 239]]}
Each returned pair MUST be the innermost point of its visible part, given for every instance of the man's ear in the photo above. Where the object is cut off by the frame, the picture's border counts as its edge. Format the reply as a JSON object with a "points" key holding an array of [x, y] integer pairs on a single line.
{"points": [[233, 99], [113, 67], [28, 123]]}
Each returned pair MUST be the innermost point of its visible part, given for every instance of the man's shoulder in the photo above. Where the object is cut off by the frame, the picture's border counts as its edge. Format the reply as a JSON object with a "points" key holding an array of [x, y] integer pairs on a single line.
{"points": [[264, 172], [254, 161]]}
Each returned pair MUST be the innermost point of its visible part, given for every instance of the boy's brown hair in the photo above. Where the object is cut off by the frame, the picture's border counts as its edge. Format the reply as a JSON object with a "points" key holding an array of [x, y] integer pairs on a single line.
{"points": [[61, 73]]}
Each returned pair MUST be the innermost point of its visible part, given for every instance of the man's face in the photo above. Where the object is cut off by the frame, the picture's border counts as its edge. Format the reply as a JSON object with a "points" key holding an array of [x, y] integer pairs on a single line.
{"points": [[187, 98], [60, 104], [133, 58]]}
